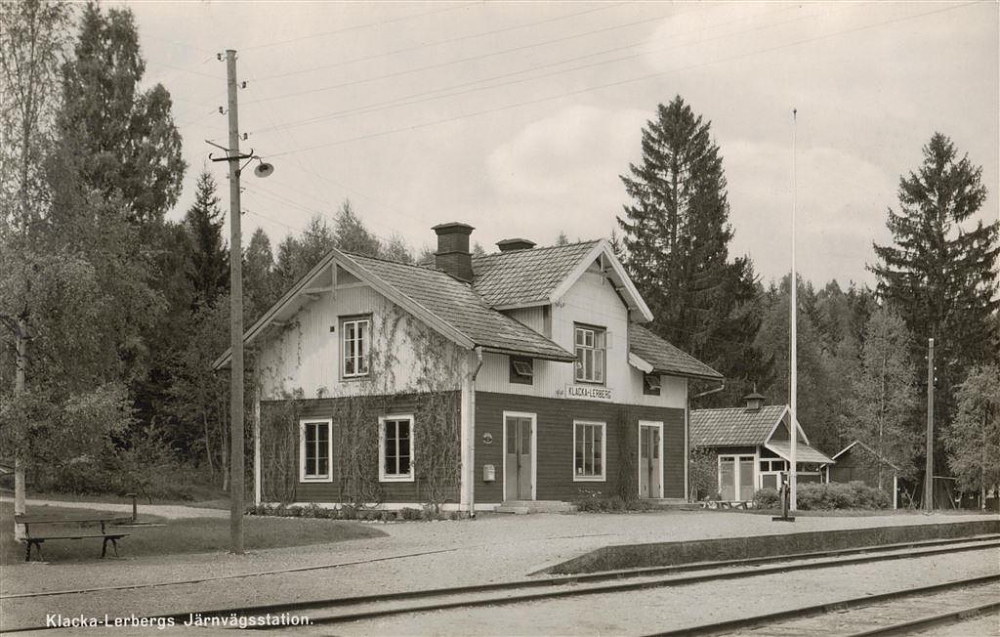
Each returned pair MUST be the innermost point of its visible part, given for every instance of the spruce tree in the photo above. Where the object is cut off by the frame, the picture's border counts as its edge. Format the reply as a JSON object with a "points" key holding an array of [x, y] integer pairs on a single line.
{"points": [[939, 275], [208, 263], [676, 236]]}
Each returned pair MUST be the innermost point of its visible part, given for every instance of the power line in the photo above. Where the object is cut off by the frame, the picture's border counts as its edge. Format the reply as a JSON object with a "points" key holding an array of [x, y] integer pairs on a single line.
{"points": [[439, 43], [472, 58], [622, 82], [320, 176], [360, 26], [432, 95]]}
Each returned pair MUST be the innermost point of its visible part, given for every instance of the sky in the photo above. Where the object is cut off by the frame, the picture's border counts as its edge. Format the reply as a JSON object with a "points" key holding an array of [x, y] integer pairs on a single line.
{"points": [[518, 118]]}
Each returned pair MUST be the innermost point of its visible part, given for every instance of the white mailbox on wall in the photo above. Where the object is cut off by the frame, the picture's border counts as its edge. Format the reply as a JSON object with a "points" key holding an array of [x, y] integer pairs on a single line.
{"points": [[489, 473]]}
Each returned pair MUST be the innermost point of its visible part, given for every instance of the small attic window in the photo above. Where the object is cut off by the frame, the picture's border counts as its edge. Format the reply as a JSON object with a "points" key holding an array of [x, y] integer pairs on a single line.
{"points": [[651, 384], [521, 370]]}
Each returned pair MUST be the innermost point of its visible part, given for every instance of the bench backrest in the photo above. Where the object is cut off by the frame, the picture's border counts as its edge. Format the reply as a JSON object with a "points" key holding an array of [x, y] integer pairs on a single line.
{"points": [[41, 527]]}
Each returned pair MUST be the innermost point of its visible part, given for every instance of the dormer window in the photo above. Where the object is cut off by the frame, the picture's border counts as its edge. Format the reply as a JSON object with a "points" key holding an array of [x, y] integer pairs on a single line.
{"points": [[651, 384], [590, 353], [522, 370]]}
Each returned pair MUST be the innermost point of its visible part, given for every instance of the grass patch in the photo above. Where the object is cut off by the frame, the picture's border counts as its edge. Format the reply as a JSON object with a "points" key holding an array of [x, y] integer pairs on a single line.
{"points": [[195, 535]]}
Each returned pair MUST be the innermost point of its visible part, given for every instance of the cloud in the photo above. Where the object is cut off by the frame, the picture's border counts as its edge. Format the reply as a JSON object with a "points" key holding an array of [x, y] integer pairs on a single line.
{"points": [[840, 210], [575, 153]]}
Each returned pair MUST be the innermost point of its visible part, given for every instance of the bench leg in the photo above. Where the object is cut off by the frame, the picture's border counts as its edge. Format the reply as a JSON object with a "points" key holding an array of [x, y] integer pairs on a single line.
{"points": [[38, 549], [114, 545]]}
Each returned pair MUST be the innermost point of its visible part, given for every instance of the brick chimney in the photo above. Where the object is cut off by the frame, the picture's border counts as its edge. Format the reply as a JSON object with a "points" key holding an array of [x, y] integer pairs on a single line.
{"points": [[453, 255], [510, 245], [754, 401]]}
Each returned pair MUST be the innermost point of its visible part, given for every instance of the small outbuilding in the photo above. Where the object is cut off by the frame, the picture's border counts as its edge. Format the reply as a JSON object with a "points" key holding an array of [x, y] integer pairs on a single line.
{"points": [[754, 447], [859, 462]]}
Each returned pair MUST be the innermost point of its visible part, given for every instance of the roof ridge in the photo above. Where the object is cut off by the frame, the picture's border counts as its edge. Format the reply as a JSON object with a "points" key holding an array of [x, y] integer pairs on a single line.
{"points": [[536, 249], [423, 268]]}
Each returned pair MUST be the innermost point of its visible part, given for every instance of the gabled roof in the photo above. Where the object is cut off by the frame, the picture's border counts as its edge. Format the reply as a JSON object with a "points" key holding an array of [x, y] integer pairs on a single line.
{"points": [[734, 426], [866, 448], [539, 276], [457, 304], [742, 427], [657, 356], [803, 452], [445, 304], [526, 277]]}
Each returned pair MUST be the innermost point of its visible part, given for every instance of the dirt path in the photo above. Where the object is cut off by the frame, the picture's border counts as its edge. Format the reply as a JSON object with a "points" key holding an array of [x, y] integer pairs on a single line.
{"points": [[169, 511]]}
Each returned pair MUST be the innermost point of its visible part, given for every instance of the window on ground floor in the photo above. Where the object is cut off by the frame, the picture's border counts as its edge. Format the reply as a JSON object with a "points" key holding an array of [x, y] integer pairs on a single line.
{"points": [[315, 450], [396, 449], [590, 448]]}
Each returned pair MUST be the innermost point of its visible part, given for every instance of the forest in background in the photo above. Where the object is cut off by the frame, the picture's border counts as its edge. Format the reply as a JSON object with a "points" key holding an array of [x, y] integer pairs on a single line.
{"points": [[118, 312]]}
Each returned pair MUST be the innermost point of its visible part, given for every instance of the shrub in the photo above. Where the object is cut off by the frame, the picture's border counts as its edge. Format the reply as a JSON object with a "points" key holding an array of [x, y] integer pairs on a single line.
{"points": [[838, 495], [766, 498], [348, 512], [596, 502], [411, 514]]}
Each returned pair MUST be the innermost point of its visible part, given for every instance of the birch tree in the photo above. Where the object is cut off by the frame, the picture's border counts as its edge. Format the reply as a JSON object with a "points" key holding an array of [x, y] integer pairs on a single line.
{"points": [[973, 440], [883, 396]]}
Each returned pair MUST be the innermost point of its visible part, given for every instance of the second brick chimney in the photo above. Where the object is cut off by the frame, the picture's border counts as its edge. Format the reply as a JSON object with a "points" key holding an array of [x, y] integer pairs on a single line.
{"points": [[453, 255]]}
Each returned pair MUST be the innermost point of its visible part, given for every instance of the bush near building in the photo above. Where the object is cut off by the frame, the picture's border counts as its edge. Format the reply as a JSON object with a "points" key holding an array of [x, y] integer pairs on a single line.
{"points": [[828, 496]]}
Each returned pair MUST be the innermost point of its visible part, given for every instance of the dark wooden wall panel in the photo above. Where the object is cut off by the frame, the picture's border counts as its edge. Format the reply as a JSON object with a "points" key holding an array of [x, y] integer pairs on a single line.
{"points": [[327, 492], [554, 463]]}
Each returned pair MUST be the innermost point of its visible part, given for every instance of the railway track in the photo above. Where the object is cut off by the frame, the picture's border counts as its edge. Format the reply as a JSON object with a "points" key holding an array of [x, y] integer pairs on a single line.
{"points": [[347, 609], [900, 612]]}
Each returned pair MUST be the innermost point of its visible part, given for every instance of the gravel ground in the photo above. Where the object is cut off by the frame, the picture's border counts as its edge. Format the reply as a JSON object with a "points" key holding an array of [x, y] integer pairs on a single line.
{"points": [[413, 556], [649, 611]]}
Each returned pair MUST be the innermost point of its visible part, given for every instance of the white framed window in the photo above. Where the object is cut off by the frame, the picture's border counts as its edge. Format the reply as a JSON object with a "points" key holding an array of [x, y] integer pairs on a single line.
{"points": [[591, 346], [355, 346], [315, 450], [589, 451], [395, 449]]}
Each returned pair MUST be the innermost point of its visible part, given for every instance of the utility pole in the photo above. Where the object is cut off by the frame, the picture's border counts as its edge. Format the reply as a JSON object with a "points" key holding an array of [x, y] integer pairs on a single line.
{"points": [[236, 315], [234, 157], [929, 468], [793, 435]]}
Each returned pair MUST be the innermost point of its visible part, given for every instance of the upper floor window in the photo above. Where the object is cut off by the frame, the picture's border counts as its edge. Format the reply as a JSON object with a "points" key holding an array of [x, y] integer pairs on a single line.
{"points": [[521, 370], [396, 449], [590, 354], [355, 346], [651, 384]]}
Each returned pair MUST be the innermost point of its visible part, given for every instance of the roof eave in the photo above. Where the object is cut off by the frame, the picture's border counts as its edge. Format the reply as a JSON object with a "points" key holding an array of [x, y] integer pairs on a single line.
{"points": [[559, 358], [685, 374]]}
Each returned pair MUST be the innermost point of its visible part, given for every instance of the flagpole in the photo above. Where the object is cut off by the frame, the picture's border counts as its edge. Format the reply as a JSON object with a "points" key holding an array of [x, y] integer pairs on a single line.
{"points": [[793, 356]]}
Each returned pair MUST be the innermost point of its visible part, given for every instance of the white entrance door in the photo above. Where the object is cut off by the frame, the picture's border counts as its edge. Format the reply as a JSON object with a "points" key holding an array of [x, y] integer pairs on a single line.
{"points": [[519, 452], [650, 459]]}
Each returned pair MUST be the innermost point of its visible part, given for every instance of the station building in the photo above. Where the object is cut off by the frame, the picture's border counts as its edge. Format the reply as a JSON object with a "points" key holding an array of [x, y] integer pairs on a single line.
{"points": [[510, 379]]}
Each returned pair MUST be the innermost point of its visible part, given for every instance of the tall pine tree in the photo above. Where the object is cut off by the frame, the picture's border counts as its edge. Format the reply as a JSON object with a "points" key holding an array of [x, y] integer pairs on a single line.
{"points": [[939, 275], [676, 235]]}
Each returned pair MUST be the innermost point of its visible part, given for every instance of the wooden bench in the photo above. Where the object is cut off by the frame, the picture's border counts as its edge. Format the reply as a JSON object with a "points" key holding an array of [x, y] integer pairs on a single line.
{"points": [[33, 530]]}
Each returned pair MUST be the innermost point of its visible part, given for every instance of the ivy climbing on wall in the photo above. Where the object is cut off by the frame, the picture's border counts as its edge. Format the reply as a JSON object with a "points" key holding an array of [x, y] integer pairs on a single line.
{"points": [[428, 381]]}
